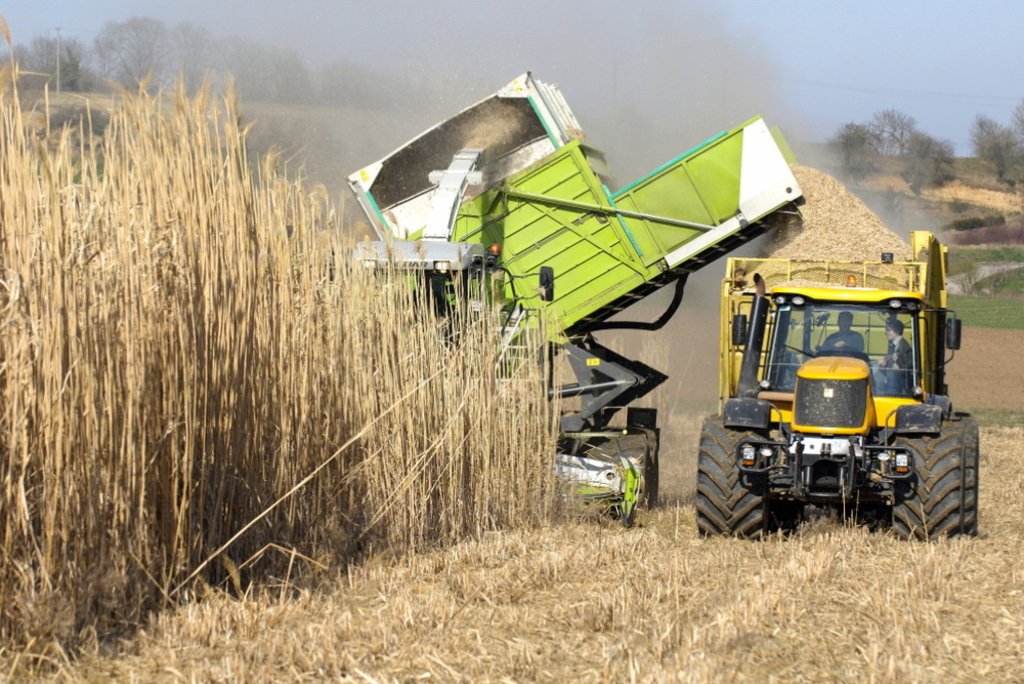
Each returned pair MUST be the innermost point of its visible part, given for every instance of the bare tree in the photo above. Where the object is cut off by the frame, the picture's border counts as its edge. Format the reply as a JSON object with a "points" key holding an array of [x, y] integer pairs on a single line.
{"points": [[965, 282], [130, 51], [248, 62], [855, 146], [1017, 122], [893, 129], [997, 145], [192, 50], [40, 56], [291, 77], [267, 74], [930, 161]]}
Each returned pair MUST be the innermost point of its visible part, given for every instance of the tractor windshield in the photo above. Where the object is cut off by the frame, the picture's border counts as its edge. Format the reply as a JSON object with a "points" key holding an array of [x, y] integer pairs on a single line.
{"points": [[883, 339]]}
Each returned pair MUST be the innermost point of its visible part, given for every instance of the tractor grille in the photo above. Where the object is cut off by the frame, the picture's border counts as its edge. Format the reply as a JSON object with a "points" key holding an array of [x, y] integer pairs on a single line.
{"points": [[830, 403]]}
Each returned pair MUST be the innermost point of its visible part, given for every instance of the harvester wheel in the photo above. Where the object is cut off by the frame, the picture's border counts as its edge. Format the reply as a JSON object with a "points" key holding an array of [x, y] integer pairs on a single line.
{"points": [[941, 499], [641, 448], [728, 501]]}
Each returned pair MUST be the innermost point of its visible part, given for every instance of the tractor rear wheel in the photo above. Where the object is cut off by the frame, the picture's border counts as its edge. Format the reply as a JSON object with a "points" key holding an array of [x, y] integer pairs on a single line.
{"points": [[728, 502], [941, 498]]}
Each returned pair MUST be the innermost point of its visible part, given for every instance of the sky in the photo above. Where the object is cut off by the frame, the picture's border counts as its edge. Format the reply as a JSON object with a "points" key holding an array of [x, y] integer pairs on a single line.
{"points": [[683, 67]]}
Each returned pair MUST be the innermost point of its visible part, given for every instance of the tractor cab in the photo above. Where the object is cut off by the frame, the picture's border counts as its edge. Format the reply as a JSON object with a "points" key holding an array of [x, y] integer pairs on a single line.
{"points": [[881, 330]]}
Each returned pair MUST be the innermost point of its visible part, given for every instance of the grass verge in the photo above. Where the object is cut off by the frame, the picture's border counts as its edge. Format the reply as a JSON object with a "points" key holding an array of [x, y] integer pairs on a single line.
{"points": [[988, 312]]}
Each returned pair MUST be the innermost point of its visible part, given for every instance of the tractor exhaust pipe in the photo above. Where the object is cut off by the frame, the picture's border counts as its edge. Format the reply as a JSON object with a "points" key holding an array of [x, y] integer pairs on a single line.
{"points": [[747, 386]]}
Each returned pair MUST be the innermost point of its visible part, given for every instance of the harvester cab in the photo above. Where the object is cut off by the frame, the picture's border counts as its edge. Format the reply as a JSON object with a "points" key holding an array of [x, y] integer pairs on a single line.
{"points": [[834, 395], [506, 206]]}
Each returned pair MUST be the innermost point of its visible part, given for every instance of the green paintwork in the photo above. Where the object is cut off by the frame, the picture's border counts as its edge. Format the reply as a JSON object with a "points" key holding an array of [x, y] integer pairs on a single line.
{"points": [[630, 490], [598, 254], [593, 258]]}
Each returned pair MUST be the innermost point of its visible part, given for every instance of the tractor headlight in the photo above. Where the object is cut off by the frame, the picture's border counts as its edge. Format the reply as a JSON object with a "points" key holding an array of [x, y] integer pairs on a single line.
{"points": [[767, 452], [748, 454], [442, 266], [902, 462]]}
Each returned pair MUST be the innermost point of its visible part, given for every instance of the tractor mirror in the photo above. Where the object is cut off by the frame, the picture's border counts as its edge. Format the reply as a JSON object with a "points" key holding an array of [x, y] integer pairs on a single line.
{"points": [[739, 330], [953, 333], [547, 283]]}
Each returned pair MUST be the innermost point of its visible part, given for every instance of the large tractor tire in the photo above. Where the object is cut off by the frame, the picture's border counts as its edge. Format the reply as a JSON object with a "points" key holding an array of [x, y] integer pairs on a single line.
{"points": [[941, 499], [729, 503]]}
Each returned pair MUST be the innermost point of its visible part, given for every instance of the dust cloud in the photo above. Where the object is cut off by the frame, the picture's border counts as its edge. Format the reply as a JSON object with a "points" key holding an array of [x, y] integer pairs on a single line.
{"points": [[647, 82]]}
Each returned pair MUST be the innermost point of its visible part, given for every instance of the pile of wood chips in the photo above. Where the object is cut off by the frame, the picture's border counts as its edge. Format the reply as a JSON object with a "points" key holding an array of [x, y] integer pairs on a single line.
{"points": [[836, 225]]}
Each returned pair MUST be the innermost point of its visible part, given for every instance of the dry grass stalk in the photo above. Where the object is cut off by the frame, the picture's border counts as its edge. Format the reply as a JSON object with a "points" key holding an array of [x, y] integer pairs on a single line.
{"points": [[183, 341]]}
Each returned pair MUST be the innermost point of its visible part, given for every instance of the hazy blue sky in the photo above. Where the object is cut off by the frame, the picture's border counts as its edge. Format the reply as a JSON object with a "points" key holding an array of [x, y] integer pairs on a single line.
{"points": [[808, 65]]}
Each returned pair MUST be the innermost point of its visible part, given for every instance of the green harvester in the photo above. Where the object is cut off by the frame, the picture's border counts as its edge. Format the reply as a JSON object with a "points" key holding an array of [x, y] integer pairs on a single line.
{"points": [[508, 191]]}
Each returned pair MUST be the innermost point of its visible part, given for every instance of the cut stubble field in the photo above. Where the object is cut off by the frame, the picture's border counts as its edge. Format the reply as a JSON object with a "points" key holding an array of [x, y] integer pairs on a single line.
{"points": [[595, 602]]}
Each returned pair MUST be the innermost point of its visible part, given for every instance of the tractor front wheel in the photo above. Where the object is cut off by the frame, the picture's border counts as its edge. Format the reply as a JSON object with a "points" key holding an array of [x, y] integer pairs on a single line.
{"points": [[941, 498], [729, 502]]}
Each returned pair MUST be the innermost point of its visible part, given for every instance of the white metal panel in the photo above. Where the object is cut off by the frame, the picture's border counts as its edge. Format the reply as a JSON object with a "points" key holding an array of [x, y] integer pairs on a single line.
{"points": [[766, 181]]}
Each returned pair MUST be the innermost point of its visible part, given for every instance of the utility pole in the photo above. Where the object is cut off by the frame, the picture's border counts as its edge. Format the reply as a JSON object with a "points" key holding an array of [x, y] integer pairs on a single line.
{"points": [[58, 61]]}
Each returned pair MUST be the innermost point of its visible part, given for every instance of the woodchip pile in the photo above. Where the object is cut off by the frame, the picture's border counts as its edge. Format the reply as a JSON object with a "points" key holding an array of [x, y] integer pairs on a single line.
{"points": [[836, 225]]}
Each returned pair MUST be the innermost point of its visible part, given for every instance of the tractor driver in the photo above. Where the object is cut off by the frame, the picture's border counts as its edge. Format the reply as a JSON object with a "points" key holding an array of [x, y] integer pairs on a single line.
{"points": [[898, 358], [845, 339]]}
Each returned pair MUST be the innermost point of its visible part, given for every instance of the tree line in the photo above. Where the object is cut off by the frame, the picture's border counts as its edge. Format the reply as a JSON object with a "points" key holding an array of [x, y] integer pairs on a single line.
{"points": [[890, 132], [928, 160], [143, 49]]}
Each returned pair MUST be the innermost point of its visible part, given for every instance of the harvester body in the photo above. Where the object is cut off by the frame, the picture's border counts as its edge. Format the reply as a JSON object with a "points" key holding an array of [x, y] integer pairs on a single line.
{"points": [[833, 393], [509, 193]]}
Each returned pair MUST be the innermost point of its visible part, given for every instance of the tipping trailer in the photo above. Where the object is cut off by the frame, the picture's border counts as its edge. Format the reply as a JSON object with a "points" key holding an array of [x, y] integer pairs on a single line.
{"points": [[510, 187], [833, 394]]}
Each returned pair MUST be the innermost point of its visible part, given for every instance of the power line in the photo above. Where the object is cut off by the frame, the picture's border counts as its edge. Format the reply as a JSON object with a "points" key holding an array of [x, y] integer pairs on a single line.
{"points": [[957, 98]]}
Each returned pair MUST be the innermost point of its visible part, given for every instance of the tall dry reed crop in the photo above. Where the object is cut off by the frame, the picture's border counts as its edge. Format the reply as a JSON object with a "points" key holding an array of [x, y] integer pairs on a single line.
{"points": [[192, 372]]}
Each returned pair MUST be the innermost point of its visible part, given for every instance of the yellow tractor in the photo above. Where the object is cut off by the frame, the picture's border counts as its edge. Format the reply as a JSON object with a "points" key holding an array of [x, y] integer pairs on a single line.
{"points": [[833, 394]]}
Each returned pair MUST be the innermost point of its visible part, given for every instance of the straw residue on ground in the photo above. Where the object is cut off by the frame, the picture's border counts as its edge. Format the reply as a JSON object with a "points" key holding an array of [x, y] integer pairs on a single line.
{"points": [[596, 603]]}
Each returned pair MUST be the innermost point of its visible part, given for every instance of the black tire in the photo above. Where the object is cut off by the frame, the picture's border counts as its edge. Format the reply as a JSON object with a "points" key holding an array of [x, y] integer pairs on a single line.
{"points": [[941, 499], [729, 503], [972, 453]]}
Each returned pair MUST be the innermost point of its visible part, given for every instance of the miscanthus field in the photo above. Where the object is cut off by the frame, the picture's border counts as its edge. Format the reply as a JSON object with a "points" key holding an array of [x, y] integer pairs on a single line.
{"points": [[226, 454]]}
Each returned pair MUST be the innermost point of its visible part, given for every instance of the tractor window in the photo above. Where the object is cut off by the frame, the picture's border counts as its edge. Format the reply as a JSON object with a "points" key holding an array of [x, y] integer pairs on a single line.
{"points": [[895, 371], [802, 333]]}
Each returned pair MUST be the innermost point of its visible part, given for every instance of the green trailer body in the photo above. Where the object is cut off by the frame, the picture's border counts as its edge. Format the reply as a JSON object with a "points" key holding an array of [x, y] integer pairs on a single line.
{"points": [[609, 250], [542, 195]]}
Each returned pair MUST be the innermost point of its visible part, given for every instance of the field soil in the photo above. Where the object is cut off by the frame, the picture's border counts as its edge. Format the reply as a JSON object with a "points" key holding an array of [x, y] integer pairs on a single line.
{"points": [[1006, 202], [988, 372]]}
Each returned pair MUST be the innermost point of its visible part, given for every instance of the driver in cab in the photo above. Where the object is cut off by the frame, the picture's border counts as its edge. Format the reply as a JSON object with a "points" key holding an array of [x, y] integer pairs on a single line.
{"points": [[844, 339]]}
